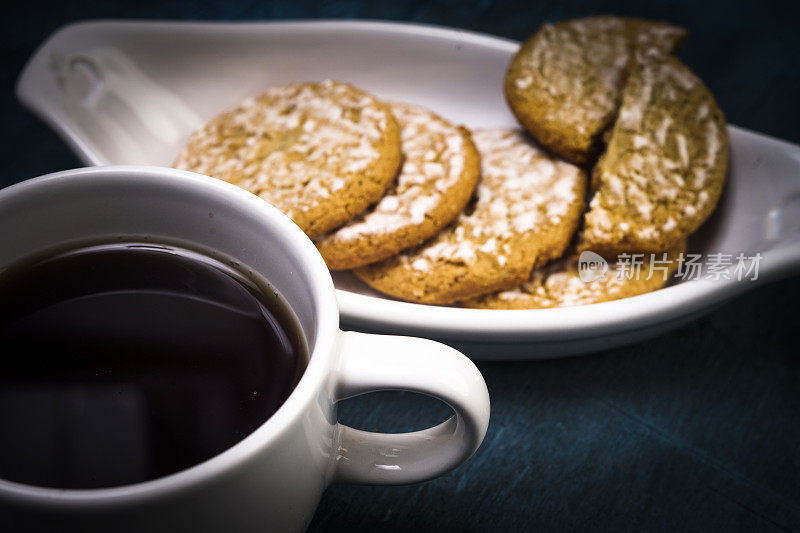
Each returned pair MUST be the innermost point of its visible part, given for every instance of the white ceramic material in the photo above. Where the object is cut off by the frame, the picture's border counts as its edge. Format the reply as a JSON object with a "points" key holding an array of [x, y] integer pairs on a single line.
{"points": [[273, 479], [131, 92]]}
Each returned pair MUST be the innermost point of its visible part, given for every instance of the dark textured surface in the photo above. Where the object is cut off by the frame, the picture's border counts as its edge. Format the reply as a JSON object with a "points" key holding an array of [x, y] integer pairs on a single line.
{"points": [[695, 430]]}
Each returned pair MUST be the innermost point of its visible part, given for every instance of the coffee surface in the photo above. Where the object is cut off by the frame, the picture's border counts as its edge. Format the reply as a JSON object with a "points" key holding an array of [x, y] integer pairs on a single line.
{"points": [[127, 362]]}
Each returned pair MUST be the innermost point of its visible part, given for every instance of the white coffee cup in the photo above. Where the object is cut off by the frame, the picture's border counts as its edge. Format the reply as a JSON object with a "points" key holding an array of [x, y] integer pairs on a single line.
{"points": [[273, 479]]}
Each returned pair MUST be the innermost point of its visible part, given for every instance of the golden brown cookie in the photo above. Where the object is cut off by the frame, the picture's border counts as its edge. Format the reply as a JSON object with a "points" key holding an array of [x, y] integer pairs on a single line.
{"points": [[565, 82], [319, 152], [664, 166], [438, 175], [559, 283], [527, 208]]}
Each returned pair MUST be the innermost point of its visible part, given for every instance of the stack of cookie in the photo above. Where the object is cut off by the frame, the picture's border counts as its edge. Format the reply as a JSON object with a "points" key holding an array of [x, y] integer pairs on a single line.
{"points": [[606, 93], [426, 211]]}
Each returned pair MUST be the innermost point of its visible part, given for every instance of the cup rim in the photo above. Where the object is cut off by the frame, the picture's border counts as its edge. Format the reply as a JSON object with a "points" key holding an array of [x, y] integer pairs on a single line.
{"points": [[326, 316]]}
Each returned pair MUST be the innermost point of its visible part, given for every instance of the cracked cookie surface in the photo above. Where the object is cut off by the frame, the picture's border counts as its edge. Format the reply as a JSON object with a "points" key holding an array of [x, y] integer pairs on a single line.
{"points": [[565, 82], [319, 152], [664, 167]]}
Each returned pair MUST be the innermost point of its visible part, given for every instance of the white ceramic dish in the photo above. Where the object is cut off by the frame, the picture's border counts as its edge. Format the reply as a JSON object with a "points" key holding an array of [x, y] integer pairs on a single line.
{"points": [[131, 92]]}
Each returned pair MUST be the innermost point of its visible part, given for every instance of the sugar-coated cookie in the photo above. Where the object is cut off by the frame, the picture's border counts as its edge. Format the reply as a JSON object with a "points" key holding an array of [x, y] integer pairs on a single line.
{"points": [[526, 210], [319, 152], [436, 179], [564, 84], [559, 283], [664, 166]]}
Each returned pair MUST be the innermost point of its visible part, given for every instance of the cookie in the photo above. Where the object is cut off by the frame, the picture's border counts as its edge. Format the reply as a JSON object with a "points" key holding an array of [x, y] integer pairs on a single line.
{"points": [[559, 284], [664, 166], [437, 177], [319, 152], [564, 84], [525, 212]]}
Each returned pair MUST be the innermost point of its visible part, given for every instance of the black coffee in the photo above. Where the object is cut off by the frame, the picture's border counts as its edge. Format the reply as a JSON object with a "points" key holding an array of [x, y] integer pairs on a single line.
{"points": [[126, 362]]}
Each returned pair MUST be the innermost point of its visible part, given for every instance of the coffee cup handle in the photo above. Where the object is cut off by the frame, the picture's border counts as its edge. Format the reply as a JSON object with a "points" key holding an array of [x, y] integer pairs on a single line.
{"points": [[372, 363]]}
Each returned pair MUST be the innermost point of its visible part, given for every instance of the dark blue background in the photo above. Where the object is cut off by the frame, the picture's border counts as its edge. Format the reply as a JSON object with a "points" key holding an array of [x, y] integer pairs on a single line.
{"points": [[696, 430]]}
